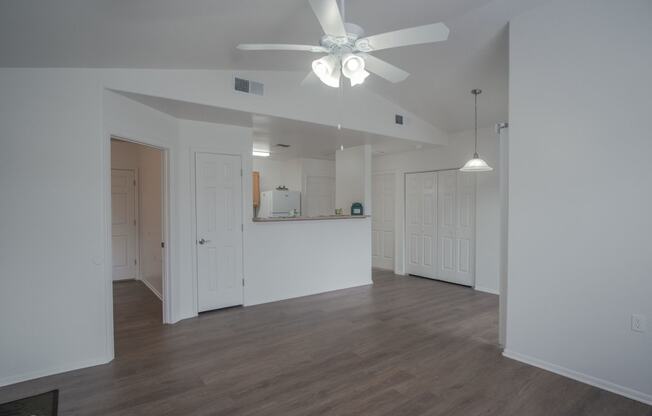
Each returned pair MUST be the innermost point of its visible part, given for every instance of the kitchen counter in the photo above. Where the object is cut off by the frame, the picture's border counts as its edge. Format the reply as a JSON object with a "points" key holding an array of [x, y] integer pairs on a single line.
{"points": [[304, 256], [324, 217]]}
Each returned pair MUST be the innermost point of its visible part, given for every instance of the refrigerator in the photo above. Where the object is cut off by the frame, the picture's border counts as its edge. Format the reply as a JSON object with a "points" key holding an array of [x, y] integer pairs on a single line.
{"points": [[279, 203]]}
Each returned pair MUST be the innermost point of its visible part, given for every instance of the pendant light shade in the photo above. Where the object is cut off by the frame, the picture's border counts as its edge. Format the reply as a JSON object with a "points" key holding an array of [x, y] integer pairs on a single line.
{"points": [[476, 164]]}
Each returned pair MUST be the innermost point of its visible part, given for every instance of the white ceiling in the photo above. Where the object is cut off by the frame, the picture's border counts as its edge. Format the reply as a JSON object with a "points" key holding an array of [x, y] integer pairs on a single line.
{"points": [[202, 34], [307, 140]]}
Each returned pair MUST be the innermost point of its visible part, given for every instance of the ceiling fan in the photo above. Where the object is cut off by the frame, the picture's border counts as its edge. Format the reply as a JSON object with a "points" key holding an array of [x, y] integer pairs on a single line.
{"points": [[348, 50]]}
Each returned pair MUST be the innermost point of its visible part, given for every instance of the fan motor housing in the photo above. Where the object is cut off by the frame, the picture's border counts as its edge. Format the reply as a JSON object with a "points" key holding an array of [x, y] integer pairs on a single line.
{"points": [[342, 45]]}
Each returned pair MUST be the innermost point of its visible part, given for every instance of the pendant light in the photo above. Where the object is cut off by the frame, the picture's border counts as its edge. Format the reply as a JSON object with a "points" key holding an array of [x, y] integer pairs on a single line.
{"points": [[476, 164]]}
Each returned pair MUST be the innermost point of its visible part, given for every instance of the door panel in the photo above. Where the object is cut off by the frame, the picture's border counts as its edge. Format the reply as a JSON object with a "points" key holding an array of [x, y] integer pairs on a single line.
{"points": [[456, 227], [382, 220], [465, 231], [421, 215], [123, 224], [219, 232]]}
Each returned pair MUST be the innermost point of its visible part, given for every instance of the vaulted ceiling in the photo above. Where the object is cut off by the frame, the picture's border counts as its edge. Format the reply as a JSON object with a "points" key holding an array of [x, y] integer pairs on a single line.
{"points": [[203, 34]]}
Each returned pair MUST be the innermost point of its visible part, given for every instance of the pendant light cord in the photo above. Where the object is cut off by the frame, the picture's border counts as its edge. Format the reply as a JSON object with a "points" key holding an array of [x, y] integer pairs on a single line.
{"points": [[476, 126], [475, 93]]}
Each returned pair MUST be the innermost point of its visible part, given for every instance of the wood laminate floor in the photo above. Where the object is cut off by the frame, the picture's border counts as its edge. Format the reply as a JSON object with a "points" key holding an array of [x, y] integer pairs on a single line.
{"points": [[404, 346]]}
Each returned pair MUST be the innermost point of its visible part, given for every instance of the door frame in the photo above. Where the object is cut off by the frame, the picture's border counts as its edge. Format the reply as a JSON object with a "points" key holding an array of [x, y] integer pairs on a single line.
{"points": [[167, 196], [137, 218], [193, 207]]}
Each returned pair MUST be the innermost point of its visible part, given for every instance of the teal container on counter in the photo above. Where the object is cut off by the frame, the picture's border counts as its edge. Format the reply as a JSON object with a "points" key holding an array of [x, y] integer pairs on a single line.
{"points": [[356, 209]]}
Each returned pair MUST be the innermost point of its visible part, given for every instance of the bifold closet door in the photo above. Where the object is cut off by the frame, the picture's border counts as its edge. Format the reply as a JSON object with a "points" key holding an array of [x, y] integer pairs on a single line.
{"points": [[421, 223], [456, 225]]}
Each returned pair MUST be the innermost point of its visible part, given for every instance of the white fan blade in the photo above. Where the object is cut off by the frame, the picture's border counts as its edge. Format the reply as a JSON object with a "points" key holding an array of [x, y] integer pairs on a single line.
{"points": [[435, 32], [384, 69], [280, 47], [329, 17]]}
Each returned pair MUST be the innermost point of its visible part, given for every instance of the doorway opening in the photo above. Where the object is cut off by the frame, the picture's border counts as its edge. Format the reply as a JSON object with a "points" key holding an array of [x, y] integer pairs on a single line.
{"points": [[137, 231]]}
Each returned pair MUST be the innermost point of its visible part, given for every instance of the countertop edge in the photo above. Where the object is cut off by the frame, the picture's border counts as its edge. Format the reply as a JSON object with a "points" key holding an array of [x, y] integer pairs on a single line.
{"points": [[325, 218]]}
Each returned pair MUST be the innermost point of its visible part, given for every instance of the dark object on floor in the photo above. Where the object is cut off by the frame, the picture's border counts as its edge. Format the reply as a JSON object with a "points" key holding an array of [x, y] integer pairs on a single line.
{"points": [[45, 404]]}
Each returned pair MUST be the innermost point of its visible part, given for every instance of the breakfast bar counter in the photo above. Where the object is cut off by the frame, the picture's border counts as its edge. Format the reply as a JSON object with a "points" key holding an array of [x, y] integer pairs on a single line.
{"points": [[319, 218]]}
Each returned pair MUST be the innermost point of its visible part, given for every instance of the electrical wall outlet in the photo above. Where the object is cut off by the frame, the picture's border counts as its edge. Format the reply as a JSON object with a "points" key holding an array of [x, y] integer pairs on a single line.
{"points": [[639, 323]]}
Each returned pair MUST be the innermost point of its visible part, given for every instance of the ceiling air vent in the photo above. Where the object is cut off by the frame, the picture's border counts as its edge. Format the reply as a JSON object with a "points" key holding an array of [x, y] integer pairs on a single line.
{"points": [[247, 86], [282, 145], [398, 119]]}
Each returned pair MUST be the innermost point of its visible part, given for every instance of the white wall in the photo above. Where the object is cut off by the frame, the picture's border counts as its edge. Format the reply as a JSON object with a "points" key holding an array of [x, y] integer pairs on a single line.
{"points": [[53, 313], [271, 173], [459, 150], [194, 137], [301, 258], [294, 174], [291, 174], [353, 178], [285, 97], [55, 228], [580, 229], [318, 187]]}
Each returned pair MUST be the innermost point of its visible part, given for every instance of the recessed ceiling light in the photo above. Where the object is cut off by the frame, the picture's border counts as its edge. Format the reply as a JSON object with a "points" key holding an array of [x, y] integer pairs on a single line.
{"points": [[341, 147], [261, 153]]}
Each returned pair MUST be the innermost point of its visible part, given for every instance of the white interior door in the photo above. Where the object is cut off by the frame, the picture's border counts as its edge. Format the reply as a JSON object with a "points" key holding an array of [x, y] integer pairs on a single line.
{"points": [[124, 224], [219, 230], [456, 200], [421, 223], [382, 224]]}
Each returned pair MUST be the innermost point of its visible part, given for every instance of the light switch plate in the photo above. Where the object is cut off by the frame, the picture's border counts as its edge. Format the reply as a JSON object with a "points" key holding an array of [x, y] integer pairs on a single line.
{"points": [[639, 323]]}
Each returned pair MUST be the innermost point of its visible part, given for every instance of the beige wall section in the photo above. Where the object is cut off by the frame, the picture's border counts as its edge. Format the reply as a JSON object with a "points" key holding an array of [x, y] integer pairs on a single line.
{"points": [[147, 162], [150, 174]]}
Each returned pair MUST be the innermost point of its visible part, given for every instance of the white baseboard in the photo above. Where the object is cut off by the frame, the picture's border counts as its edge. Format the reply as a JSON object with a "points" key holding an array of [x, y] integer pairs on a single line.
{"points": [[487, 290], [6, 381], [581, 377], [151, 287]]}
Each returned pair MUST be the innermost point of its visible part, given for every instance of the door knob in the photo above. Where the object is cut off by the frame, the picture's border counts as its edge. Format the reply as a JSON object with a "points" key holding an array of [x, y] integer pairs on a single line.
{"points": [[202, 241]]}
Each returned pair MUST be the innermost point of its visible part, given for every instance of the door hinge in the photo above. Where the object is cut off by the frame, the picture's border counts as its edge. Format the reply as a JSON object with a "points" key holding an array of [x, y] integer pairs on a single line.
{"points": [[243, 281], [162, 244], [135, 261], [134, 223]]}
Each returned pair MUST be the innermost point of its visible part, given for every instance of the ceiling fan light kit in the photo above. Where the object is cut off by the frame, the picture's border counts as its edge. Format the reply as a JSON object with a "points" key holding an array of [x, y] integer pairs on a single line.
{"points": [[327, 69], [347, 49], [476, 164]]}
